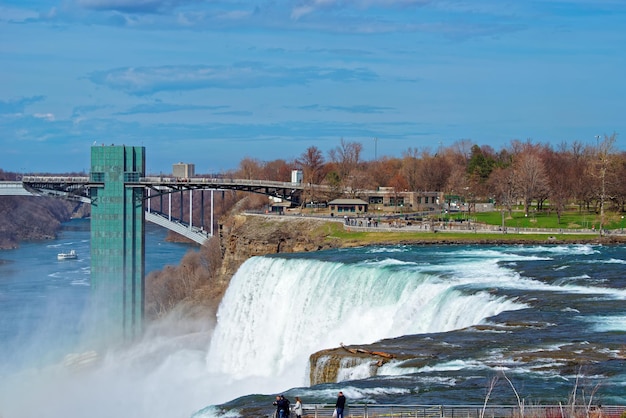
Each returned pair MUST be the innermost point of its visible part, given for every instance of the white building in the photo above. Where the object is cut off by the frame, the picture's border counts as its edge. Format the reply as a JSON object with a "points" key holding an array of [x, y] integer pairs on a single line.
{"points": [[296, 176], [183, 170]]}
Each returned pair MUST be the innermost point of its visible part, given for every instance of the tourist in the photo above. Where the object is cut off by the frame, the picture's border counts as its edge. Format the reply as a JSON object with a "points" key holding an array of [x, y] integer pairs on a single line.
{"points": [[340, 405], [297, 409], [282, 406]]}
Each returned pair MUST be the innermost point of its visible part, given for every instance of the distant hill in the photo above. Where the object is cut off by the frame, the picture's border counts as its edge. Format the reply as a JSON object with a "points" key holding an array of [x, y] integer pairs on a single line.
{"points": [[25, 218]]}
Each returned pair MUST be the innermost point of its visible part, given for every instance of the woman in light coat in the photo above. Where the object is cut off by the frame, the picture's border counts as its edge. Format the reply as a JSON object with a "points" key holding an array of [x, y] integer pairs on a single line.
{"points": [[297, 409]]}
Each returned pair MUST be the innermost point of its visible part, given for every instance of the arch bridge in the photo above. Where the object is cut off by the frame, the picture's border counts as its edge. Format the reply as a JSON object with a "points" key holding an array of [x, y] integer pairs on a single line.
{"points": [[78, 188]]}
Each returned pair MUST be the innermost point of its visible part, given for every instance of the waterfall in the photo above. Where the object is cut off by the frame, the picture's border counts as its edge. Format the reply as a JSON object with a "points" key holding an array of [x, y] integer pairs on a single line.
{"points": [[277, 311]]}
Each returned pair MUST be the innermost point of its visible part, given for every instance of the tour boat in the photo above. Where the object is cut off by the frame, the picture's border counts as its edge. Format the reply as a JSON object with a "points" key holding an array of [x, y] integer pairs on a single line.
{"points": [[67, 256]]}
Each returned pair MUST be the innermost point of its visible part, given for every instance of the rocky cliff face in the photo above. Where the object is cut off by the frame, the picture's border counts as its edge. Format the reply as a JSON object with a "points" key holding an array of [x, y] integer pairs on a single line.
{"points": [[34, 218], [244, 236], [324, 366]]}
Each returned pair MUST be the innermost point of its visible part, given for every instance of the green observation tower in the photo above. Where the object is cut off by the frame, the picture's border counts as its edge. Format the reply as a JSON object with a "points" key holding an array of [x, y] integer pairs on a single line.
{"points": [[117, 241]]}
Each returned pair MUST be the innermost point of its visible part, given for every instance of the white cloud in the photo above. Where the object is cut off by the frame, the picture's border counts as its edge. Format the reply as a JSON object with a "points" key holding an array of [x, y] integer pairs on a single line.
{"points": [[134, 6], [50, 14], [311, 6], [235, 15], [14, 14], [298, 12], [45, 116], [246, 75]]}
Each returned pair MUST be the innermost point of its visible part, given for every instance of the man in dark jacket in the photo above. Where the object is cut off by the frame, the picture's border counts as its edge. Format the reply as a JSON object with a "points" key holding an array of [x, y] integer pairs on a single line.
{"points": [[340, 405], [282, 406], [286, 406]]}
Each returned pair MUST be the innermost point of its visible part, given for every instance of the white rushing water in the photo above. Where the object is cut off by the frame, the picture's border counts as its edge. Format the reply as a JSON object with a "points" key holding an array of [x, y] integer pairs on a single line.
{"points": [[278, 311]]}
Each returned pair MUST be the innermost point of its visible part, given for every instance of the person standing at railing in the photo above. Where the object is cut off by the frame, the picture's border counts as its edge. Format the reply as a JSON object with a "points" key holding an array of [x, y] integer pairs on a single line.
{"points": [[282, 406], [297, 409], [340, 405]]}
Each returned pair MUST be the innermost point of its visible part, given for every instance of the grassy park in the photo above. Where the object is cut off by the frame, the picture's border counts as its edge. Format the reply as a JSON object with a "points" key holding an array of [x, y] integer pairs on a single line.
{"points": [[572, 219], [574, 226]]}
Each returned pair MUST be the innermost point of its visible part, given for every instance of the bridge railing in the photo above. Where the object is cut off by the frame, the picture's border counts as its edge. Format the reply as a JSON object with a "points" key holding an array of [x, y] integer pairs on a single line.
{"points": [[12, 184], [219, 180], [174, 180], [54, 179]]}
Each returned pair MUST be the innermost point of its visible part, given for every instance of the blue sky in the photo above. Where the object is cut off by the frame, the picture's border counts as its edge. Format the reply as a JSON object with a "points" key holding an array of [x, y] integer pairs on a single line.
{"points": [[212, 82]]}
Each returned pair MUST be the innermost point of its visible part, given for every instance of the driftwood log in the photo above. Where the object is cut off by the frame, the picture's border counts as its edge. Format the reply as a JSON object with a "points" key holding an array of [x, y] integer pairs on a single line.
{"points": [[371, 353]]}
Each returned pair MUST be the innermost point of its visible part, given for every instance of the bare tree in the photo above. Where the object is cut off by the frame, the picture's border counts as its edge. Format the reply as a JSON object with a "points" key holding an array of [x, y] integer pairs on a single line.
{"points": [[399, 184], [346, 156], [359, 180], [530, 177], [433, 172], [618, 188], [249, 168], [603, 165], [174, 284], [455, 167], [458, 181], [502, 183], [584, 188], [560, 173], [311, 162], [463, 148], [410, 168], [277, 170], [383, 170]]}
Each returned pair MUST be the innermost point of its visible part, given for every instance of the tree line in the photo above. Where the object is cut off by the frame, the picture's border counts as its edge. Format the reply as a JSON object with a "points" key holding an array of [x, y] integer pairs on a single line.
{"points": [[535, 175], [527, 173]]}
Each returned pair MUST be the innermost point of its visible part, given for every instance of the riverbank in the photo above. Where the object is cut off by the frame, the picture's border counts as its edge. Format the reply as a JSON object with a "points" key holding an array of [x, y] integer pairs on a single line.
{"points": [[340, 233], [38, 218]]}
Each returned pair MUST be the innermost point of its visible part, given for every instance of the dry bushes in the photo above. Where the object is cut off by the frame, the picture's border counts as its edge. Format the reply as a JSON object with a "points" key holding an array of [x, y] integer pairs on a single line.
{"points": [[194, 282], [195, 287]]}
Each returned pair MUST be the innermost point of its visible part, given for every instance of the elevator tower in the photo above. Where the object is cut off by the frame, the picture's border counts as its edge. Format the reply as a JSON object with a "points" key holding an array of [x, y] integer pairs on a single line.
{"points": [[117, 240]]}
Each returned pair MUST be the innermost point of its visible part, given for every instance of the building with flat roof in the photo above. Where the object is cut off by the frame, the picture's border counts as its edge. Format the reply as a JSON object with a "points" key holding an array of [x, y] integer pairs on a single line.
{"points": [[355, 206], [183, 170], [386, 199]]}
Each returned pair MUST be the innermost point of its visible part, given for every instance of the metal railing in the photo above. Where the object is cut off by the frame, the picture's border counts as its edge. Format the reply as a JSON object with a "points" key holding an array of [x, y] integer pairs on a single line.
{"points": [[468, 411], [54, 179]]}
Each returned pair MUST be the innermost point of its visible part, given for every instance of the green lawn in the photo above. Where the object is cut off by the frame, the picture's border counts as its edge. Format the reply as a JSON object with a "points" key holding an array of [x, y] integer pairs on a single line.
{"points": [[569, 220]]}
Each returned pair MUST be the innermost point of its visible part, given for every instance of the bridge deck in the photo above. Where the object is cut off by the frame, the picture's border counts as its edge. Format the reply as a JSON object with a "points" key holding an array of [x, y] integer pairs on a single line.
{"points": [[163, 185], [16, 188]]}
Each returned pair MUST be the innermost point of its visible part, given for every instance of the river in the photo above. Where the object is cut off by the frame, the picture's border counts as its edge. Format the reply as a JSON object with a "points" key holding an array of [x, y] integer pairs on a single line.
{"points": [[549, 318]]}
